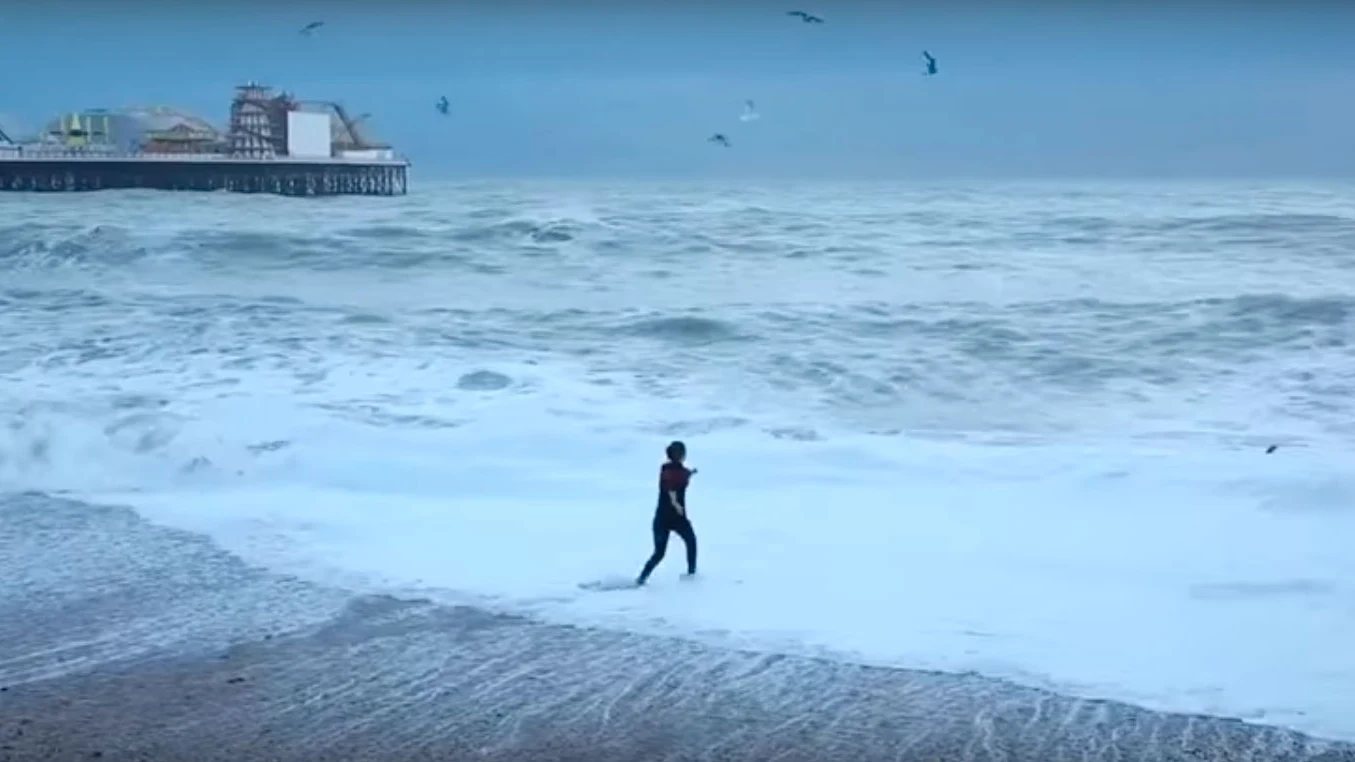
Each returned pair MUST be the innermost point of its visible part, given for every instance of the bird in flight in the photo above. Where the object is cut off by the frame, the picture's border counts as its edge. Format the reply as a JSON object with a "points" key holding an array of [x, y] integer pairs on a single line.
{"points": [[443, 105], [808, 18], [931, 63], [311, 27], [721, 139], [749, 112]]}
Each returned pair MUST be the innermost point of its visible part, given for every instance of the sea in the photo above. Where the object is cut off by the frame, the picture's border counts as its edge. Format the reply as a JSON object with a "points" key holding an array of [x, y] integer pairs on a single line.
{"points": [[1088, 436]]}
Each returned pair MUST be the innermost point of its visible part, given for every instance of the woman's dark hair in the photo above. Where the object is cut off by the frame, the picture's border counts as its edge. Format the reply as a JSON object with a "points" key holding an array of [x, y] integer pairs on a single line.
{"points": [[676, 450]]}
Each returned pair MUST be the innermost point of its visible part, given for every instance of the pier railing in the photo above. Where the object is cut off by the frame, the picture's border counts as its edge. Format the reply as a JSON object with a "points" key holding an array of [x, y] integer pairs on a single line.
{"points": [[43, 153], [75, 171]]}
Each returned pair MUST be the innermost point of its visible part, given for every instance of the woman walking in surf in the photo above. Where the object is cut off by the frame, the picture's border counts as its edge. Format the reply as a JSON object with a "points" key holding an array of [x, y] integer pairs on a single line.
{"points": [[671, 513]]}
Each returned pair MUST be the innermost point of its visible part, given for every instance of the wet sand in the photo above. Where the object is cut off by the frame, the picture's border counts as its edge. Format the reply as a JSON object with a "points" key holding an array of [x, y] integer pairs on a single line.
{"points": [[124, 641]]}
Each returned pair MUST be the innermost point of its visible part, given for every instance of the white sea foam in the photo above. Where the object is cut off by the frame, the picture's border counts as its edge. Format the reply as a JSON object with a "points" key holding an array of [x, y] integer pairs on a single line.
{"points": [[1178, 577]]}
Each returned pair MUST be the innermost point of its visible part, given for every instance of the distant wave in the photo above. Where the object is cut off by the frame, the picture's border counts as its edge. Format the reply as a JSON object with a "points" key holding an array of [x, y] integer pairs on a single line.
{"points": [[685, 329], [1222, 223], [38, 245], [1277, 233], [558, 231], [753, 229]]}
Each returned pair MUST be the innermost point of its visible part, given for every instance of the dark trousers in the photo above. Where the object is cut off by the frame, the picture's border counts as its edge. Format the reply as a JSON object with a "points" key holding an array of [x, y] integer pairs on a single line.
{"points": [[662, 526]]}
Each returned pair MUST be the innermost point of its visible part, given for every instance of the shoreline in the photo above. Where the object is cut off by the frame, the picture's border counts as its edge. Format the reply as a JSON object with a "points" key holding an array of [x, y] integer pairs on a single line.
{"points": [[120, 640]]}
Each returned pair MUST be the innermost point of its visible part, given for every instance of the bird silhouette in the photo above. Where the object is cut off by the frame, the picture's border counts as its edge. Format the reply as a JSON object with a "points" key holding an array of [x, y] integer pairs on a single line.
{"points": [[311, 27], [443, 105], [1271, 449], [718, 138], [931, 63], [749, 112], [808, 18]]}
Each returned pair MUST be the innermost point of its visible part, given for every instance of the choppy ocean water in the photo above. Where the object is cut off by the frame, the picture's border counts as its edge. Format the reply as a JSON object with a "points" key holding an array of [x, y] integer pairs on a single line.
{"points": [[1017, 429]]}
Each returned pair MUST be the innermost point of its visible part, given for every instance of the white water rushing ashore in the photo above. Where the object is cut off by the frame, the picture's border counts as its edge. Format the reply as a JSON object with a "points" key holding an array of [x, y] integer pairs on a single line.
{"points": [[1015, 429]]}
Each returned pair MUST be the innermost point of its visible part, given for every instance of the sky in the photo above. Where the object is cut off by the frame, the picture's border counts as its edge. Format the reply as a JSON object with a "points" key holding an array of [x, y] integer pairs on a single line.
{"points": [[607, 89]]}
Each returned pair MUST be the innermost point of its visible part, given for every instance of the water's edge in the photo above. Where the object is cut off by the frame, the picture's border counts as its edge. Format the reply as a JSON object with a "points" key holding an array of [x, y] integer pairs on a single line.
{"points": [[139, 642]]}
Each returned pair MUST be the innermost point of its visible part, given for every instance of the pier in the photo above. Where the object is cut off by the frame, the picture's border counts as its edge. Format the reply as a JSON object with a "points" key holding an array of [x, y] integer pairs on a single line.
{"points": [[282, 176], [274, 143]]}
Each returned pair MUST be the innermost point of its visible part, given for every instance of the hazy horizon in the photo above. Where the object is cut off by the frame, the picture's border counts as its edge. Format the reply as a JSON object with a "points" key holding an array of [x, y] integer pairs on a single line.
{"points": [[602, 90]]}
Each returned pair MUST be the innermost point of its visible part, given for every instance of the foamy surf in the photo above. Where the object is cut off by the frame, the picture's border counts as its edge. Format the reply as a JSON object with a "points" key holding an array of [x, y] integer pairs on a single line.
{"points": [[1176, 579]]}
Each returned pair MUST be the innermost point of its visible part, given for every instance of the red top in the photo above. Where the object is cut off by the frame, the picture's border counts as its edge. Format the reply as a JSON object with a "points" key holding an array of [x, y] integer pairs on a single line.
{"points": [[672, 479], [673, 476]]}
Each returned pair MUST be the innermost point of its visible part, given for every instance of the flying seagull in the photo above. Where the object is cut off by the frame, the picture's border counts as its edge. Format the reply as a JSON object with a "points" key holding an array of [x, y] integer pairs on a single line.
{"points": [[443, 105], [749, 112], [808, 18], [1271, 449], [311, 27], [931, 64], [721, 139]]}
